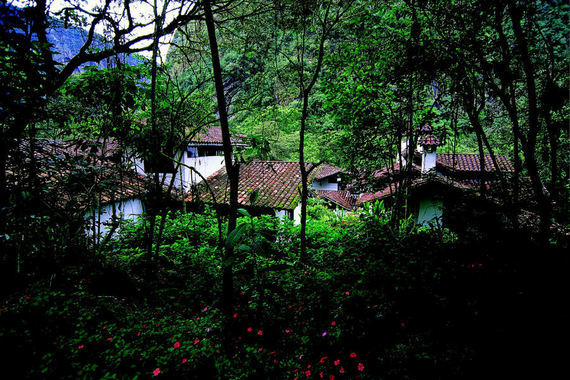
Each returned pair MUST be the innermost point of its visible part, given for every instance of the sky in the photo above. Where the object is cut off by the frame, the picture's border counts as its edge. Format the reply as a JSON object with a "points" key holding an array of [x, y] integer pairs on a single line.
{"points": [[142, 11]]}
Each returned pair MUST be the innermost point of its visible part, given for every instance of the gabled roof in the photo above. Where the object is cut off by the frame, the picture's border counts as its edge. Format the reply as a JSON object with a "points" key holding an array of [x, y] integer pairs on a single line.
{"points": [[429, 141], [341, 198], [420, 182], [470, 162], [76, 171], [278, 185], [326, 170], [213, 136]]}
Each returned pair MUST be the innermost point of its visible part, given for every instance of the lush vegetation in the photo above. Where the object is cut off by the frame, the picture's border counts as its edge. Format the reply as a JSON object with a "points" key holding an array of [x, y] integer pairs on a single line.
{"points": [[374, 301], [208, 295]]}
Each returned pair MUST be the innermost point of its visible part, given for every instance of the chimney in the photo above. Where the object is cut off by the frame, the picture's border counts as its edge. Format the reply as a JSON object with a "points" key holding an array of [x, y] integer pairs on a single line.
{"points": [[428, 144]]}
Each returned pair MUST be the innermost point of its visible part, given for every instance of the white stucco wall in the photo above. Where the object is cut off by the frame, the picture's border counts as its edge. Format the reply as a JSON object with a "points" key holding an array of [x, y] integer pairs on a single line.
{"points": [[428, 160], [286, 214], [282, 214], [127, 209], [430, 210], [325, 185], [206, 166], [297, 214]]}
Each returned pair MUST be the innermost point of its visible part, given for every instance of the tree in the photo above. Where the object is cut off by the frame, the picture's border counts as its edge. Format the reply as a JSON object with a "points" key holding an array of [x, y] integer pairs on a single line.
{"points": [[518, 50]]}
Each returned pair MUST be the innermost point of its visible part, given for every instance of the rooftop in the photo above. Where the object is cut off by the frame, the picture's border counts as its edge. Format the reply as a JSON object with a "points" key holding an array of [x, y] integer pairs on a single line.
{"points": [[213, 136], [277, 183]]}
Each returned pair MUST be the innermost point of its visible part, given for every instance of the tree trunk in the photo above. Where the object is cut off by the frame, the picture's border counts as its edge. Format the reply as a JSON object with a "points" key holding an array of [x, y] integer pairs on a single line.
{"points": [[531, 164], [231, 169]]}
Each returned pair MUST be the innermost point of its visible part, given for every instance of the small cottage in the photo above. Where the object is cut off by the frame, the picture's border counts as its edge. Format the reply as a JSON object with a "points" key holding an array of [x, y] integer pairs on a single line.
{"points": [[436, 180]]}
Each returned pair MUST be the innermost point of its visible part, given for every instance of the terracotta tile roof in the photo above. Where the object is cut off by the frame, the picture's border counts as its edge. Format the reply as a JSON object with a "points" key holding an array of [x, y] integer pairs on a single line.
{"points": [[434, 178], [429, 140], [424, 129], [470, 162], [326, 170], [213, 136], [75, 171], [278, 184], [370, 197], [342, 198]]}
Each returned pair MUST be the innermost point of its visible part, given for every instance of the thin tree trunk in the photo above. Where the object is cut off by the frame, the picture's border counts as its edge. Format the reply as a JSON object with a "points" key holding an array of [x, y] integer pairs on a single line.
{"points": [[531, 164], [231, 169]]}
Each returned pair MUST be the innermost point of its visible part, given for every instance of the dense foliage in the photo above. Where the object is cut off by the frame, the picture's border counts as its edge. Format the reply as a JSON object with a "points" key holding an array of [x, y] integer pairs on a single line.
{"points": [[373, 302], [369, 294]]}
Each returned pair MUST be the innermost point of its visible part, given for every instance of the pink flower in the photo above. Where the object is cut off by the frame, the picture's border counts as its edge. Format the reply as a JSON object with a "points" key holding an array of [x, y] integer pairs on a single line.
{"points": [[287, 331], [206, 308], [325, 333], [260, 332], [139, 333], [323, 359], [337, 362], [80, 347], [353, 354], [342, 370], [176, 345], [260, 349], [321, 375], [347, 293], [196, 341], [109, 339], [184, 360], [156, 372], [360, 367], [235, 315]]}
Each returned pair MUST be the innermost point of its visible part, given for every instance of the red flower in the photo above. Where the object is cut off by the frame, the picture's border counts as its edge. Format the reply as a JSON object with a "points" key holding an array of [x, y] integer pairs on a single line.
{"points": [[260, 332], [184, 360], [287, 331], [307, 373], [260, 349], [80, 347], [342, 370], [353, 355], [333, 323], [360, 367], [321, 375], [249, 329], [109, 339], [331, 377], [176, 345], [156, 372], [323, 359], [337, 362], [403, 324], [235, 315], [347, 293], [196, 341], [139, 333]]}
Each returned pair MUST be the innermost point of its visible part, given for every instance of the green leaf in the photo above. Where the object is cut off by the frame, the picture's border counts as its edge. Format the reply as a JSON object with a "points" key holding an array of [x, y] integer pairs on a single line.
{"points": [[235, 235], [244, 212]]}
